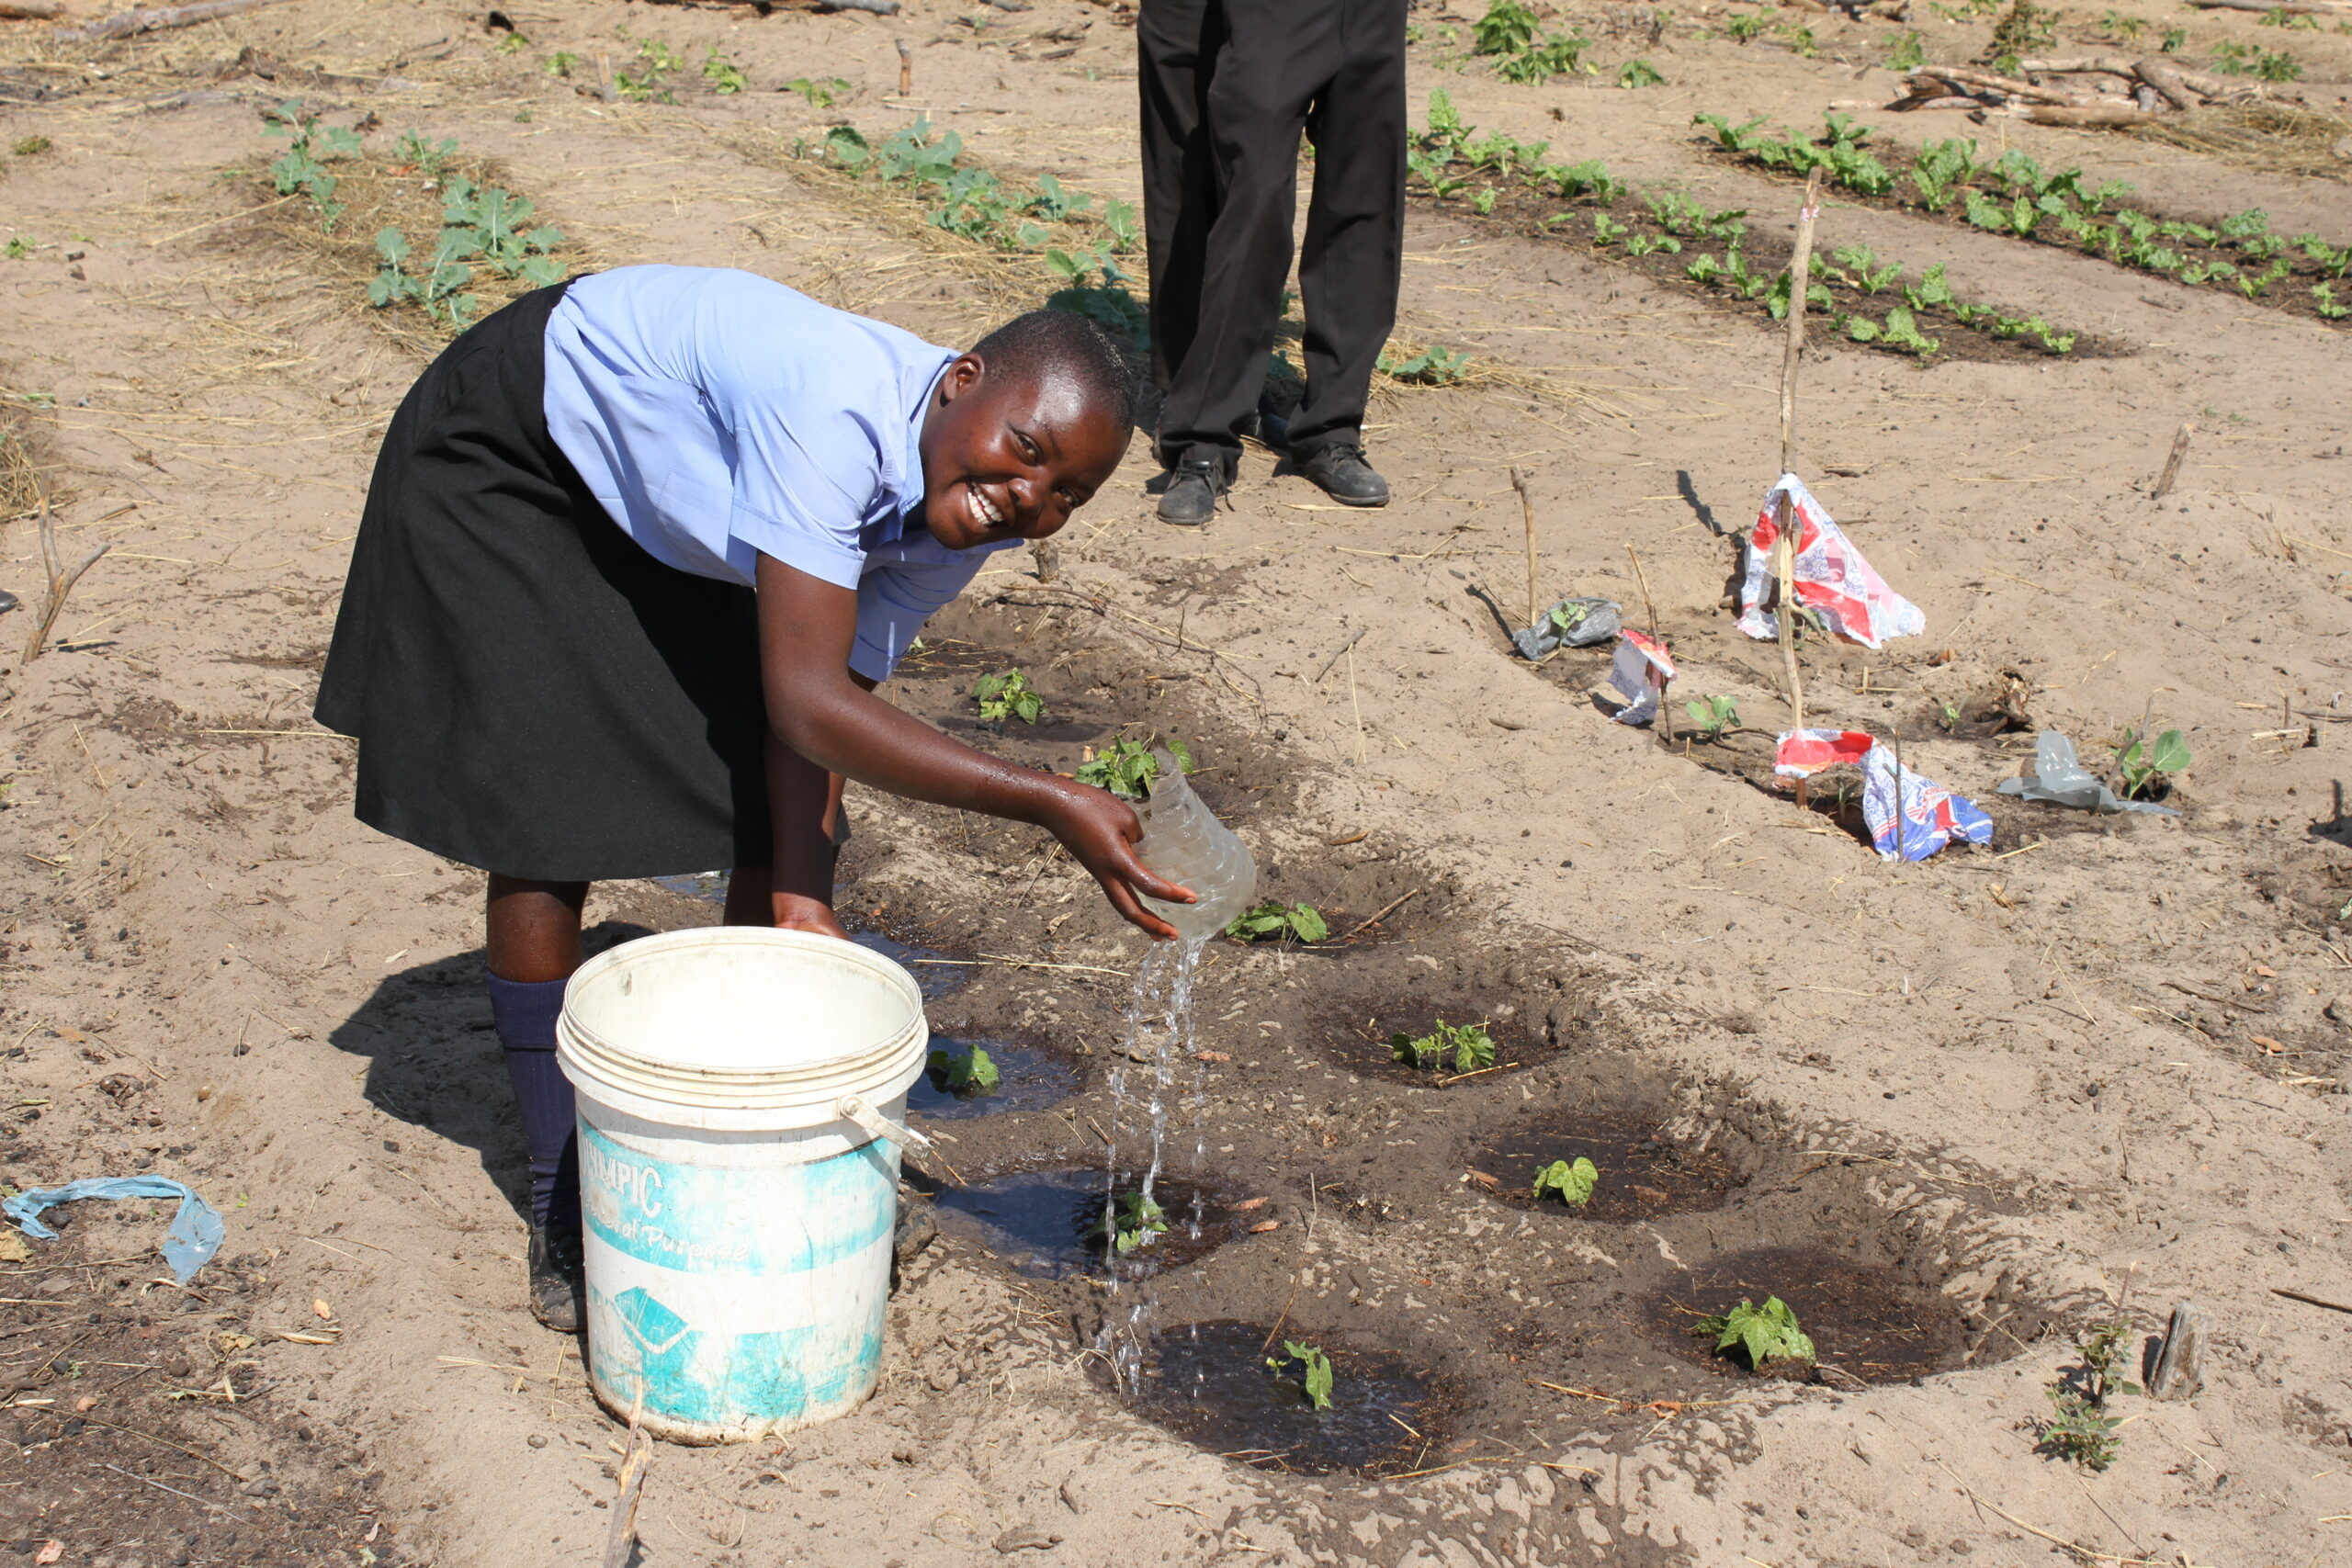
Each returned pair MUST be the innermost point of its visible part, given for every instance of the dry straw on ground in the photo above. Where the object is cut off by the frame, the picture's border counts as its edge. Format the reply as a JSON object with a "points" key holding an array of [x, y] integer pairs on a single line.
{"points": [[2283, 138], [20, 486], [380, 193]]}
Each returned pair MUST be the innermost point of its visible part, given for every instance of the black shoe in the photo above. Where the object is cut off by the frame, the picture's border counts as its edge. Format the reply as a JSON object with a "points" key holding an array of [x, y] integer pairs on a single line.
{"points": [[555, 1276], [1194, 486], [1341, 472]]}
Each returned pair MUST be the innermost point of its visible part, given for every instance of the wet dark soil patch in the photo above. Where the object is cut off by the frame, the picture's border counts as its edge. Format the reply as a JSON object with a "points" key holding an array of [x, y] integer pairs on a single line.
{"points": [[1029, 1078], [1643, 1174], [1040, 1223], [1863, 1319], [935, 973], [1209, 1384], [1359, 1037]]}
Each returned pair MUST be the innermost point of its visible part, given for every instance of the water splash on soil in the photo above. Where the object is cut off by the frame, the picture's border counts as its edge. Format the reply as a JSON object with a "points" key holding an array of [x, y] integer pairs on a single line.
{"points": [[1045, 1223]]}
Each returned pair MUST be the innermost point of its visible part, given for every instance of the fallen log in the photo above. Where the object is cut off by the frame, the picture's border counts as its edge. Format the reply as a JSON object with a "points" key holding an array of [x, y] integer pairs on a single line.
{"points": [[157, 19], [2169, 82], [1967, 77]]}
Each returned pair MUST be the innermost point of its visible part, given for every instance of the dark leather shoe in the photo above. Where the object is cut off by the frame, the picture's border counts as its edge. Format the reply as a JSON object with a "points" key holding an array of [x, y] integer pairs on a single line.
{"points": [[556, 1280], [1194, 486], [1341, 472]]}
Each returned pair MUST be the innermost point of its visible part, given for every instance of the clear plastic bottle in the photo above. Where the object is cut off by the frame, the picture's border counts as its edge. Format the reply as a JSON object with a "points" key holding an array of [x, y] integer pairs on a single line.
{"points": [[1184, 842]]}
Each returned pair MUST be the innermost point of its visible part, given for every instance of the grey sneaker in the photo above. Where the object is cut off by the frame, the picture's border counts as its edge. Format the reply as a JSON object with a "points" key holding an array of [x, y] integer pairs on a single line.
{"points": [[1339, 471], [556, 1284], [1194, 487]]}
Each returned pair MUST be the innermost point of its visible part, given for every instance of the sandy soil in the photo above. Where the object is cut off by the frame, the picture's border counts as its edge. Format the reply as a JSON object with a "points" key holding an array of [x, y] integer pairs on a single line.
{"points": [[2096, 1062]]}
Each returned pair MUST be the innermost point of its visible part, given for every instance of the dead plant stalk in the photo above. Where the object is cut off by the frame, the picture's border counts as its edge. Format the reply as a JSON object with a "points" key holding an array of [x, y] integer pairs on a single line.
{"points": [[60, 582]]}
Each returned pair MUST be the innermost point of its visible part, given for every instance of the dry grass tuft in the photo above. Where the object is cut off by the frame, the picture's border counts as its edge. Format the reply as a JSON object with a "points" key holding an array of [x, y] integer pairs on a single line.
{"points": [[20, 486], [2282, 137], [381, 193]]}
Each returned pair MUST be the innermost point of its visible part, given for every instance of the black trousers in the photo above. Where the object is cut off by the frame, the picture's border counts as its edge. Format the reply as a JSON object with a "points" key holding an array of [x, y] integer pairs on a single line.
{"points": [[1227, 87]]}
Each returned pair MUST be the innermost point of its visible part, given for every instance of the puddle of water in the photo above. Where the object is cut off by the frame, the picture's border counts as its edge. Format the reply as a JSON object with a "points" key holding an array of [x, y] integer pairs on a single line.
{"points": [[1038, 1222], [1209, 1384], [1643, 1176], [1863, 1319], [709, 884], [1028, 1078], [935, 973]]}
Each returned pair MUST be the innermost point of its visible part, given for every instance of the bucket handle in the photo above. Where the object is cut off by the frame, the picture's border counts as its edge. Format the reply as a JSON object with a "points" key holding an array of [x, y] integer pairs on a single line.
{"points": [[852, 1109]]}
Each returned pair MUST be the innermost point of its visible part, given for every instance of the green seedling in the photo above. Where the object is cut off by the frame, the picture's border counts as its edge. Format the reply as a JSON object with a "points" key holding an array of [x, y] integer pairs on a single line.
{"points": [[300, 167], [1902, 331], [2120, 28], [513, 43], [1764, 1334], [1469, 1044], [1315, 1371], [1571, 1183], [560, 63], [1482, 202], [1639, 73], [2168, 754], [2023, 29], [30, 146], [1866, 274], [656, 63], [726, 77], [1817, 296], [2323, 300], [821, 94], [970, 1073], [1648, 244], [1007, 696], [1108, 304], [18, 248], [1125, 228], [1714, 715], [1950, 716], [2078, 1428], [1702, 269], [1280, 922], [1798, 39], [2174, 40], [1507, 34], [1747, 28], [1433, 366], [1566, 618], [1132, 1222], [1606, 230], [1127, 767], [1905, 51]]}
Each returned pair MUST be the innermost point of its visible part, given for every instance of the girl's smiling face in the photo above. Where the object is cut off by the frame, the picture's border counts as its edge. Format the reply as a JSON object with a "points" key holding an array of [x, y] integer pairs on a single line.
{"points": [[1011, 458]]}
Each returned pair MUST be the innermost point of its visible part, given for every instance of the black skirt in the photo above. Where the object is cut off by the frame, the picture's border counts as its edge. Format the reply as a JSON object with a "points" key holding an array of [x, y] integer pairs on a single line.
{"points": [[533, 693]]}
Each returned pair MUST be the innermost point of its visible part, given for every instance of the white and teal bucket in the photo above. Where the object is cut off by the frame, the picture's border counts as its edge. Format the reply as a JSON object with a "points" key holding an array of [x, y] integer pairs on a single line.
{"points": [[740, 1092]]}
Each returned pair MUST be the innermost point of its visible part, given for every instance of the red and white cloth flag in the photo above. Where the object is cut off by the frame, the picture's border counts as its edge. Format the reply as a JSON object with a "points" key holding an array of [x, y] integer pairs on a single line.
{"points": [[1805, 752], [1832, 577], [1639, 674]]}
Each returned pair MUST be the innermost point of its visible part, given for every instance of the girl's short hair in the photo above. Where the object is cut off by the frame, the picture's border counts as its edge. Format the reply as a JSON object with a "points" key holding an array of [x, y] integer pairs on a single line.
{"points": [[1045, 344]]}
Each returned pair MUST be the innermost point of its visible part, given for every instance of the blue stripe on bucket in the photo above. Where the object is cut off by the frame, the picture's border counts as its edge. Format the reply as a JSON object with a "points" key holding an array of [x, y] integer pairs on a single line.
{"points": [[705, 1220], [723, 1379]]}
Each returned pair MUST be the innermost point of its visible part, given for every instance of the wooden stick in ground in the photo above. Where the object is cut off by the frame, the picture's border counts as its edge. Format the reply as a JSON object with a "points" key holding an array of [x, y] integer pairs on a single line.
{"points": [[620, 1543], [906, 69], [1387, 910], [60, 582], [1649, 609], [2172, 464], [1337, 653], [1527, 515], [1800, 277]]}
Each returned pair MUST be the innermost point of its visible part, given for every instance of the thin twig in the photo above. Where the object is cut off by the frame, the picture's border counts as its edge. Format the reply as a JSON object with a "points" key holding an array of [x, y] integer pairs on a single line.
{"points": [[60, 580], [2308, 1300], [1527, 514], [1337, 653], [1386, 910]]}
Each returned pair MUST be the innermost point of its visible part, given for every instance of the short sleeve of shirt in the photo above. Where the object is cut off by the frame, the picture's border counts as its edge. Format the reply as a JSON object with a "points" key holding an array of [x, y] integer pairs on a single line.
{"points": [[905, 583]]}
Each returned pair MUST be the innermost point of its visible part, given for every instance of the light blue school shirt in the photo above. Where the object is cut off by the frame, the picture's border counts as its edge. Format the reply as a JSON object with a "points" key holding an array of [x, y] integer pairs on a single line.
{"points": [[720, 416]]}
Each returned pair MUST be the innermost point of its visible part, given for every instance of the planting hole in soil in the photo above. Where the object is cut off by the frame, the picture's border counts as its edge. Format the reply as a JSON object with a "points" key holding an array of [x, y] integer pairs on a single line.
{"points": [[1863, 1319], [1027, 1078], [1048, 1225], [1209, 1384], [1640, 1175], [1450, 1042]]}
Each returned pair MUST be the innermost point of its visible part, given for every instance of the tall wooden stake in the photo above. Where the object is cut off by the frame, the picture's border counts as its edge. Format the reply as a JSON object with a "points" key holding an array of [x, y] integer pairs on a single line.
{"points": [[1527, 515], [1785, 522]]}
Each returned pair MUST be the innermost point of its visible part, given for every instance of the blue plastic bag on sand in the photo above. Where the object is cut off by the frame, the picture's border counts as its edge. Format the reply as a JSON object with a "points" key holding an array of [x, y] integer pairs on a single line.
{"points": [[197, 1230]]}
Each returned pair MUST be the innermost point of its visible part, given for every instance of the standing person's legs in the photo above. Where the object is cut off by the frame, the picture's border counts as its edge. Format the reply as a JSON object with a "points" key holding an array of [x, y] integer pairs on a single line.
{"points": [[1176, 42], [1350, 262], [1273, 59]]}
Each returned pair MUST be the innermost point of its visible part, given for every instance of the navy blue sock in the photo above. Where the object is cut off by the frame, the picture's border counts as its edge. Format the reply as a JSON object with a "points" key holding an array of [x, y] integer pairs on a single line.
{"points": [[525, 1012]]}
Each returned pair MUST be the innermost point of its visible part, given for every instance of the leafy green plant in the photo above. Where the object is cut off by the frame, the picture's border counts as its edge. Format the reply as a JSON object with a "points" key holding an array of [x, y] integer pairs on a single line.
{"points": [[560, 63], [1764, 1334], [724, 75], [1571, 1183], [1280, 921], [1127, 767], [821, 94], [1007, 694], [964, 1074], [1606, 230], [427, 158], [1469, 1044], [30, 146], [648, 82], [18, 248], [1714, 715], [1749, 28], [2323, 300], [1507, 34], [1905, 51], [2120, 28], [2174, 40], [1648, 244], [1639, 73], [1865, 273], [1433, 366], [1125, 228], [302, 167], [1508, 28], [2078, 1428], [2141, 769], [1799, 38], [2022, 30], [1902, 331], [1314, 1379], [1132, 1222]]}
